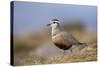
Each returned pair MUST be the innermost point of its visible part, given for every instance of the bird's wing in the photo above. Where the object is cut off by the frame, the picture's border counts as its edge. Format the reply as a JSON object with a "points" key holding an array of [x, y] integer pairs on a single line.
{"points": [[68, 38]]}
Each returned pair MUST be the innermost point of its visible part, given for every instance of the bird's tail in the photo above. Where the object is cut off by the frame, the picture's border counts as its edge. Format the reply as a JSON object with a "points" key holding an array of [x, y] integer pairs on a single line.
{"points": [[87, 44], [82, 43]]}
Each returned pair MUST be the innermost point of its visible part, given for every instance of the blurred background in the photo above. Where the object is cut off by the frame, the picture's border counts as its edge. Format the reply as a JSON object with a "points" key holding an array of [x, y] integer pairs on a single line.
{"points": [[32, 42]]}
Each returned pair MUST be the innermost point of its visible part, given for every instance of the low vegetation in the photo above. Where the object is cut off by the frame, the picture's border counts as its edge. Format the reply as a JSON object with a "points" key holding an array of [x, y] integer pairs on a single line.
{"points": [[25, 49]]}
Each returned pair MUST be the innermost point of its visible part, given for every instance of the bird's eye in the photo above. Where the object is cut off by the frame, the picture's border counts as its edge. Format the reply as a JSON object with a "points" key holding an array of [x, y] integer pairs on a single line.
{"points": [[54, 22]]}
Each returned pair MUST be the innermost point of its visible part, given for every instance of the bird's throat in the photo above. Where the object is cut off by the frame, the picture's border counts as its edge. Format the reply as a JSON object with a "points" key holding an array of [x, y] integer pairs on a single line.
{"points": [[55, 31]]}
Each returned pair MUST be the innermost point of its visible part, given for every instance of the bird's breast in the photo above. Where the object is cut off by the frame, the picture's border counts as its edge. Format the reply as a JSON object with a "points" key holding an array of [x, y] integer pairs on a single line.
{"points": [[58, 39]]}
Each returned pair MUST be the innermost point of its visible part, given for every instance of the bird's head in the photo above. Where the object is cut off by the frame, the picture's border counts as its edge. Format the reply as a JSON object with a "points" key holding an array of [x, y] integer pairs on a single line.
{"points": [[53, 23]]}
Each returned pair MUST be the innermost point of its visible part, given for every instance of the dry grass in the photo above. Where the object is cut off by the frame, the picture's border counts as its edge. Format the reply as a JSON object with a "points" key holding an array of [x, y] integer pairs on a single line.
{"points": [[87, 54], [24, 47]]}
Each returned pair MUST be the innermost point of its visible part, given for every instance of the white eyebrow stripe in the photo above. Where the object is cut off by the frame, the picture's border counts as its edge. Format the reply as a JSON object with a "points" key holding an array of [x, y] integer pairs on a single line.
{"points": [[55, 21]]}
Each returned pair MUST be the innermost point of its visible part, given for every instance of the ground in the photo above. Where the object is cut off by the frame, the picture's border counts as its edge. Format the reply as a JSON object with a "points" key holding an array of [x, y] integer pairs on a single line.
{"points": [[88, 53]]}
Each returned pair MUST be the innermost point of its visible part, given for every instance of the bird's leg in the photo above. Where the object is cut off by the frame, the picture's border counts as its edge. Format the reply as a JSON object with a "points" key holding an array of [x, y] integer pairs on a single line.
{"points": [[63, 53], [71, 50], [62, 57]]}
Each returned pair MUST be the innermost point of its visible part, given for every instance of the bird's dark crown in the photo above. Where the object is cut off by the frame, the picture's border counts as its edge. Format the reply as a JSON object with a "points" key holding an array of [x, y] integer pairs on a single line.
{"points": [[55, 20]]}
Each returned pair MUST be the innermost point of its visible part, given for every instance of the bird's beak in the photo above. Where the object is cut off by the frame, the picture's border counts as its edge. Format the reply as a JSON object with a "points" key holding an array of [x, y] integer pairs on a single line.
{"points": [[48, 24]]}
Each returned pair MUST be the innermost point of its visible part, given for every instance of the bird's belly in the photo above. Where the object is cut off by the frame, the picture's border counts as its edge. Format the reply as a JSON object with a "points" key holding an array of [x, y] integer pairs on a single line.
{"points": [[63, 46]]}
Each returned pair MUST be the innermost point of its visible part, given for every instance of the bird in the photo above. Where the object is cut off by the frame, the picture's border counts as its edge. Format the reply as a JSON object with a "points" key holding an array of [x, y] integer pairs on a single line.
{"points": [[61, 39]]}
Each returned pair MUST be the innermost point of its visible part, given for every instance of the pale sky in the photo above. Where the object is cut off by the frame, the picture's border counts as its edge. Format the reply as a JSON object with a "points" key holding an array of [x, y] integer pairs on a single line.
{"points": [[32, 16]]}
